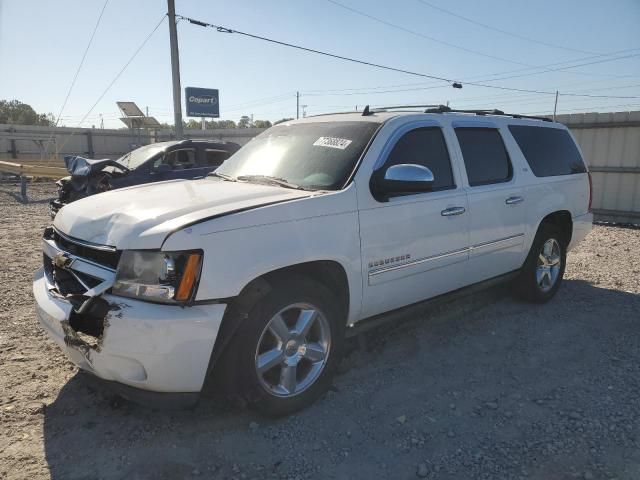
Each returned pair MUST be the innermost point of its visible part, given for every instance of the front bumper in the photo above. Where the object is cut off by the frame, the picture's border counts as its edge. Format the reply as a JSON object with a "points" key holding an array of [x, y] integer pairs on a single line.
{"points": [[152, 347]]}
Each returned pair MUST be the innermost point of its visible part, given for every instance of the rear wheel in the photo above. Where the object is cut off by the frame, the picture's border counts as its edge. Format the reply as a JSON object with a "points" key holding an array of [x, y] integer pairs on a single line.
{"points": [[285, 353], [543, 270]]}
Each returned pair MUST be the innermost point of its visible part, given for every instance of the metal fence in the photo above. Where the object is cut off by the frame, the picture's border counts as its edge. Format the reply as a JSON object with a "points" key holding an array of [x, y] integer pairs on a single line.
{"points": [[610, 143], [47, 145]]}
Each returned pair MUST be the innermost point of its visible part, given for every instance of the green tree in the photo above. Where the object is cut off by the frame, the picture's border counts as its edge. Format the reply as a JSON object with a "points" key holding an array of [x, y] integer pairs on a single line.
{"points": [[282, 120], [262, 124], [245, 122], [18, 113]]}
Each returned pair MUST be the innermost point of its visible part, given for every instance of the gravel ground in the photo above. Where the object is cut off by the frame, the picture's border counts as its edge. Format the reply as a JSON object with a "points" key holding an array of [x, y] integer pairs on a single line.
{"points": [[486, 387]]}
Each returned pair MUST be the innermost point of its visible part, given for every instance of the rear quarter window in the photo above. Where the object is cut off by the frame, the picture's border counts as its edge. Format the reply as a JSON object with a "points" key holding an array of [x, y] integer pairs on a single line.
{"points": [[548, 151]]}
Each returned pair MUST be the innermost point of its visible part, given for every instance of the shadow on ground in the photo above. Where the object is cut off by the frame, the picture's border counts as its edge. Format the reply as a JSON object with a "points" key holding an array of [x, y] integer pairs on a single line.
{"points": [[506, 391]]}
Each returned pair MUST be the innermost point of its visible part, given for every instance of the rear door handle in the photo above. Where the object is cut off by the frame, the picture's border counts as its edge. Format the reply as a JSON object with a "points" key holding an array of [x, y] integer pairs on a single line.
{"points": [[452, 211], [514, 200]]}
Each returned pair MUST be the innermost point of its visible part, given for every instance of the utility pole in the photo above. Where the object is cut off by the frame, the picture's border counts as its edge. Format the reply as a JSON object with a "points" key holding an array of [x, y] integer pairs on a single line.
{"points": [[297, 105], [175, 68], [555, 107]]}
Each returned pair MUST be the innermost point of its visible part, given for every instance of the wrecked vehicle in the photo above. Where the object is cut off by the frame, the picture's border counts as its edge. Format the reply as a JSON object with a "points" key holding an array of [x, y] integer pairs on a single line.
{"points": [[256, 272], [151, 163]]}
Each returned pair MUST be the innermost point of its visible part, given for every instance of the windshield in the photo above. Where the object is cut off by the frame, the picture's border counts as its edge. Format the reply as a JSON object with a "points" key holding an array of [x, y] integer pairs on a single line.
{"points": [[317, 156], [140, 155]]}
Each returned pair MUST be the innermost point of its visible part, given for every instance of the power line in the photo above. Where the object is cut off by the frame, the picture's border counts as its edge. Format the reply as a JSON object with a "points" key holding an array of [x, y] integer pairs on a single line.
{"points": [[505, 32], [399, 27], [427, 37], [453, 83], [222, 29], [104, 92], [75, 77]]}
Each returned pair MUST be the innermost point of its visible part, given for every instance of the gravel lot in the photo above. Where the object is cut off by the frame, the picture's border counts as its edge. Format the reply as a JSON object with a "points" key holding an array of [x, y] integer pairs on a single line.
{"points": [[484, 388]]}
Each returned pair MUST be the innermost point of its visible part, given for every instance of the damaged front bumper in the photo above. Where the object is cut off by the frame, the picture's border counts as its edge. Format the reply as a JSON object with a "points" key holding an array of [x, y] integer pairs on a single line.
{"points": [[141, 349]]}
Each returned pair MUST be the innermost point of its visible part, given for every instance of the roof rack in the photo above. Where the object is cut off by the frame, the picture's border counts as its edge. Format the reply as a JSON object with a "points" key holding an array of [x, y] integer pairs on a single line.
{"points": [[436, 109], [445, 109]]}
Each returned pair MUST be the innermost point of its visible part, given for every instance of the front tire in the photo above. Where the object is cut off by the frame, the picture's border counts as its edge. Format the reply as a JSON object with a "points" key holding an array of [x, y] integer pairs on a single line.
{"points": [[287, 349], [543, 270]]}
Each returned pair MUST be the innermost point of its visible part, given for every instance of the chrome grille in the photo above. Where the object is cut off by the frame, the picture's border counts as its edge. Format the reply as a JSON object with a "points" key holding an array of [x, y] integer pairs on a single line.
{"points": [[75, 267]]}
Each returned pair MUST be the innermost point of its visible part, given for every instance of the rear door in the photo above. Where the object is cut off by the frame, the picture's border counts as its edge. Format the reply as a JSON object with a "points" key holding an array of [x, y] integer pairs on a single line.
{"points": [[183, 163], [211, 158], [413, 246], [496, 201]]}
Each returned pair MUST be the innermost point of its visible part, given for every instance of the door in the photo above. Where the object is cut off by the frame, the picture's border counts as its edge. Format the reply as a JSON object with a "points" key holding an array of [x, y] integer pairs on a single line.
{"points": [[182, 164], [413, 246], [496, 203]]}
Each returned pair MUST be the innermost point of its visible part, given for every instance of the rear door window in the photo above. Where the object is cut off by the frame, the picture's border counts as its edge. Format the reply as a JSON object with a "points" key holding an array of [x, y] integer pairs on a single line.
{"points": [[183, 159], [214, 158], [485, 156], [548, 151], [425, 146]]}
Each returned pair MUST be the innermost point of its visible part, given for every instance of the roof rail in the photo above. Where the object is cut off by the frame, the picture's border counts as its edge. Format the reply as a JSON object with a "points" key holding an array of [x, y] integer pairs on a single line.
{"points": [[436, 109], [446, 109]]}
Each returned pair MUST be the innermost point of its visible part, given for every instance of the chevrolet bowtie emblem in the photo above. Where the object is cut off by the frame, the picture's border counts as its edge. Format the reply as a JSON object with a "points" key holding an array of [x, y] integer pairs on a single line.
{"points": [[62, 260]]}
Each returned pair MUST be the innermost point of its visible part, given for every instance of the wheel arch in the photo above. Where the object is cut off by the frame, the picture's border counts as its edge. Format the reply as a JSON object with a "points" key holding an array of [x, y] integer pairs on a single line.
{"points": [[562, 220], [330, 273]]}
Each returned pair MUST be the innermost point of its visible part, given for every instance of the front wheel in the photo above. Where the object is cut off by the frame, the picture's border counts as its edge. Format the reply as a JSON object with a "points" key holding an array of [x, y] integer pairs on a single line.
{"points": [[286, 351], [543, 270]]}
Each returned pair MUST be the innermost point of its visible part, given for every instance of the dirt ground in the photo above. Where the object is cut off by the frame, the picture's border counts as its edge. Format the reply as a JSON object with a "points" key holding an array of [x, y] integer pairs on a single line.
{"points": [[485, 388]]}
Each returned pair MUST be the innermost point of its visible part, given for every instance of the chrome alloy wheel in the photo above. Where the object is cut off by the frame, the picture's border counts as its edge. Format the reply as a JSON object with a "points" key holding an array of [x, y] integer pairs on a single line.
{"points": [[293, 350], [548, 268]]}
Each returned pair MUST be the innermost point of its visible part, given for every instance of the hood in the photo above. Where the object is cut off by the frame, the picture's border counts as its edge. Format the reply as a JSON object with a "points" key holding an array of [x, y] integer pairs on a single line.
{"points": [[83, 167], [142, 216]]}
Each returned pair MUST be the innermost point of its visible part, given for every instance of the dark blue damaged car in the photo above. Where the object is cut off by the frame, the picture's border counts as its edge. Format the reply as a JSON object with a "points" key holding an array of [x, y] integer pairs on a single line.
{"points": [[181, 159]]}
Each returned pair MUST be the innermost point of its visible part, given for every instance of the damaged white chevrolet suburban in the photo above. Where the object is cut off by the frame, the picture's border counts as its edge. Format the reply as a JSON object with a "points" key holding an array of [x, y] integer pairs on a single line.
{"points": [[256, 271]]}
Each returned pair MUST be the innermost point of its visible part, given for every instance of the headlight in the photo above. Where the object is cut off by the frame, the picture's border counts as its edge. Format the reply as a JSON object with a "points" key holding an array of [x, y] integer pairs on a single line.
{"points": [[158, 276]]}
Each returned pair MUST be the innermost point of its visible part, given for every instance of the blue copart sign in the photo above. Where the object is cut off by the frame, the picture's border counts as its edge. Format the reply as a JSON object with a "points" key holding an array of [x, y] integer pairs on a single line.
{"points": [[202, 102]]}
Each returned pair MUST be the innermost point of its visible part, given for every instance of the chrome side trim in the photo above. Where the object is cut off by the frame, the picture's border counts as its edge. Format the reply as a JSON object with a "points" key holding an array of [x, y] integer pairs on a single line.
{"points": [[419, 261], [494, 242], [95, 246]]}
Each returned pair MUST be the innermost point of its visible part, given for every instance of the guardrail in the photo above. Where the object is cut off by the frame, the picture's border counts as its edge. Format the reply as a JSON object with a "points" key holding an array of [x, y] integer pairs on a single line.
{"points": [[24, 171]]}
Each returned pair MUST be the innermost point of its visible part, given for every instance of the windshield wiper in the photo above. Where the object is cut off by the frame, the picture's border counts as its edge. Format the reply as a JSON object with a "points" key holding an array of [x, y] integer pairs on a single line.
{"points": [[224, 176], [270, 180]]}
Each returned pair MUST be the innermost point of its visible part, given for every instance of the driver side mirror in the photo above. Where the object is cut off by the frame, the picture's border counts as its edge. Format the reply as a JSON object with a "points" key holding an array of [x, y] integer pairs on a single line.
{"points": [[402, 179]]}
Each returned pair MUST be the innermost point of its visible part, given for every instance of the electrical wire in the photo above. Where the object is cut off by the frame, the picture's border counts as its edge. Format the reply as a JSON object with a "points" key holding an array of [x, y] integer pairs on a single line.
{"points": [[455, 84], [427, 37], [505, 32], [75, 77], [222, 29], [104, 92]]}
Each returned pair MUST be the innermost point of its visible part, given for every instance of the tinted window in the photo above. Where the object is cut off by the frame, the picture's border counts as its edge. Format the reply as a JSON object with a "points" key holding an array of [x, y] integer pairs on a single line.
{"points": [[426, 147], [549, 151], [178, 159], [214, 158], [485, 156]]}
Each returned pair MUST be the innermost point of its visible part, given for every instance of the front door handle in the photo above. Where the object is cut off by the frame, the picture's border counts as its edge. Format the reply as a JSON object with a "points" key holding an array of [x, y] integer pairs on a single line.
{"points": [[514, 200], [452, 211]]}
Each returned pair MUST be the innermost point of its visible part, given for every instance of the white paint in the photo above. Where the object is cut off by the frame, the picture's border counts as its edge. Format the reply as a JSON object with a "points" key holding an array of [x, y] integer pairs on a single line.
{"points": [[247, 230]]}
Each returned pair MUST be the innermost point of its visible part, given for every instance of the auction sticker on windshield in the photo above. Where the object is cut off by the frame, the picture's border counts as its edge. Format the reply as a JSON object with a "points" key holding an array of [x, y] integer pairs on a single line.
{"points": [[332, 142]]}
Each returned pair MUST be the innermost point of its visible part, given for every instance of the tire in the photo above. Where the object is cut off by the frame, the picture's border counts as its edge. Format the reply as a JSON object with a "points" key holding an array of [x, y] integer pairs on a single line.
{"points": [[539, 281], [294, 372]]}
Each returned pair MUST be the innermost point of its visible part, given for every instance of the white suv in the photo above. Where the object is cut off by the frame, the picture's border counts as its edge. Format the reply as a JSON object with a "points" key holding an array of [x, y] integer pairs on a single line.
{"points": [[257, 271]]}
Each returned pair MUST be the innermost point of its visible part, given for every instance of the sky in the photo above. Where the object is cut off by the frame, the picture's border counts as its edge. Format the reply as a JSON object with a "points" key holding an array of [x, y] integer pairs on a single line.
{"points": [[42, 44]]}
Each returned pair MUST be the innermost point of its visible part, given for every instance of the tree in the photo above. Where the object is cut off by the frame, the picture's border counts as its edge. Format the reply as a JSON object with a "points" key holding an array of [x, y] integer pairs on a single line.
{"points": [[221, 124], [245, 122], [262, 124], [18, 113], [282, 120]]}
